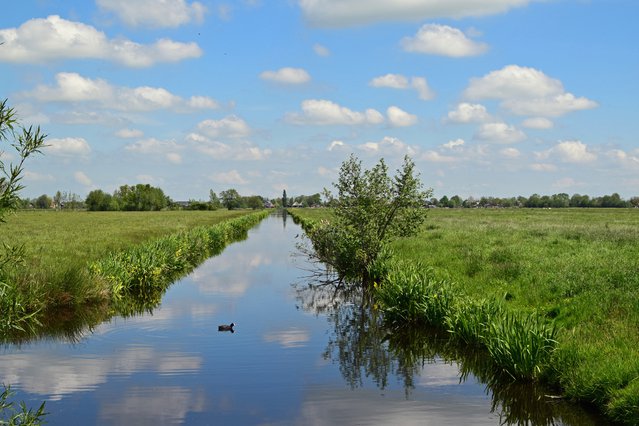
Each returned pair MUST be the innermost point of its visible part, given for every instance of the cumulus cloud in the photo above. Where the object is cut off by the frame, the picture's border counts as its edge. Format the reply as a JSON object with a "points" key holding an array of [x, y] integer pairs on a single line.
{"points": [[543, 167], [624, 158], [569, 152], [398, 81], [324, 113], [341, 13], [232, 127], [510, 153], [167, 149], [67, 147], [387, 146], [434, 39], [468, 113], [321, 50], [72, 87], [129, 133], [154, 13], [232, 177], [499, 133], [400, 118], [526, 91], [287, 75], [336, 145], [435, 157], [41, 40], [82, 178], [453, 144], [538, 123]]}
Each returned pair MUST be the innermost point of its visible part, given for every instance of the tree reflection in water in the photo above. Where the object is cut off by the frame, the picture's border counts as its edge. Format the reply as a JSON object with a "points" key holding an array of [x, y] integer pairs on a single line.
{"points": [[365, 348]]}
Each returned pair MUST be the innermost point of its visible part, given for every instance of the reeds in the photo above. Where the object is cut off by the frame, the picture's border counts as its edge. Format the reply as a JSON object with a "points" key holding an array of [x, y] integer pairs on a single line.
{"points": [[157, 263], [519, 345]]}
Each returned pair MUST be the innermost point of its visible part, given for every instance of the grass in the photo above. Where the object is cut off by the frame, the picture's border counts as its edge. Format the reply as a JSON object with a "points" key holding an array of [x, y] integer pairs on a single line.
{"points": [[59, 247], [576, 268]]}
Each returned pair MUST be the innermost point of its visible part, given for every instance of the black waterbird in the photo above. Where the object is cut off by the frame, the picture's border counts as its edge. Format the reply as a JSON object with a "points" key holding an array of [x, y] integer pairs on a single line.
{"points": [[225, 327]]}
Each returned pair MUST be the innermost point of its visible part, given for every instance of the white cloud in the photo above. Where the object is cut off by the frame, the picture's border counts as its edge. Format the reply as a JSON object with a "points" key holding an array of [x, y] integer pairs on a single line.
{"points": [[321, 50], [526, 91], [468, 113], [423, 89], [231, 177], [538, 123], [43, 40], [388, 145], [129, 133], [566, 182], [231, 126], [434, 39], [499, 133], [398, 81], [573, 152], [82, 178], [72, 87], [287, 75], [400, 118], [435, 157], [335, 13], [37, 177], [624, 158], [67, 147], [154, 13], [453, 144], [336, 145], [510, 153], [543, 167], [323, 113], [167, 149], [393, 81]]}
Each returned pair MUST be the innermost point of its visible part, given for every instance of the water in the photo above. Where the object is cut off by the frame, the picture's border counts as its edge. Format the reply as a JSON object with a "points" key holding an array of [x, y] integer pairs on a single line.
{"points": [[296, 358]]}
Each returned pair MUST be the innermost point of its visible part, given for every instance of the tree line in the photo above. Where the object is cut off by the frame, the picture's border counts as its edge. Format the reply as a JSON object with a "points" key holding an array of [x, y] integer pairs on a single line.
{"points": [[561, 200]]}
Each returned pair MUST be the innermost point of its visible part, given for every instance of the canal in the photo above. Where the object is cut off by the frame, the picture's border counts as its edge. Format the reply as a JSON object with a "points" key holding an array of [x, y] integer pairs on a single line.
{"points": [[300, 354]]}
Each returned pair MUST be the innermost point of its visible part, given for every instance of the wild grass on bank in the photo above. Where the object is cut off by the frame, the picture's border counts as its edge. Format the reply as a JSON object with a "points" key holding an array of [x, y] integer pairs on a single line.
{"points": [[32, 289], [520, 345], [576, 268], [157, 263]]}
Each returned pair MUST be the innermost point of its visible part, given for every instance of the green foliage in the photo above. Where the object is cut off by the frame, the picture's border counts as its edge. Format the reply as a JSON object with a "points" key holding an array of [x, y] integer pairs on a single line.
{"points": [[370, 210], [140, 197], [156, 264], [98, 200], [24, 416], [231, 199]]}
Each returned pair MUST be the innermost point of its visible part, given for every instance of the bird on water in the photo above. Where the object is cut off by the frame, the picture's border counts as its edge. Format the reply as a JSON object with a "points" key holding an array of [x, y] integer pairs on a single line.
{"points": [[226, 327]]}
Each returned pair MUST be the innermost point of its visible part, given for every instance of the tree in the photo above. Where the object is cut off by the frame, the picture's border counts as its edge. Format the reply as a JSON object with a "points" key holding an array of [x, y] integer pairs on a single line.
{"points": [[214, 201], [230, 199], [43, 202], [370, 210], [284, 201], [98, 200]]}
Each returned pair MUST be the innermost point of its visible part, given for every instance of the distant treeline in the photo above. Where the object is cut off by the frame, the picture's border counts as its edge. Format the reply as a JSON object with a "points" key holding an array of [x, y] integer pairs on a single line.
{"points": [[561, 200], [143, 197]]}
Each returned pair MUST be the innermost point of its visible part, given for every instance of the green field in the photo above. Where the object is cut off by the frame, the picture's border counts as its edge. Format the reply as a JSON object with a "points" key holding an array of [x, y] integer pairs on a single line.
{"points": [[58, 238], [78, 264], [576, 267]]}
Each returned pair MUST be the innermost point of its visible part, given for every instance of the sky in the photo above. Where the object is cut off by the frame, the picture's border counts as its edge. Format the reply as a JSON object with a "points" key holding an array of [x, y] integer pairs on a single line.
{"points": [[488, 98]]}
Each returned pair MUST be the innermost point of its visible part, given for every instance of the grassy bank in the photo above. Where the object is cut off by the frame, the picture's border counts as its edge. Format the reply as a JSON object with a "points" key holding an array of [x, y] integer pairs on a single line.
{"points": [[73, 261], [576, 268]]}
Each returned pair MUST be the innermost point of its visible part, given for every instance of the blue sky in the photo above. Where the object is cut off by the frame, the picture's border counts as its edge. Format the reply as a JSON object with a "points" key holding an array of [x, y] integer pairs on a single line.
{"points": [[491, 98]]}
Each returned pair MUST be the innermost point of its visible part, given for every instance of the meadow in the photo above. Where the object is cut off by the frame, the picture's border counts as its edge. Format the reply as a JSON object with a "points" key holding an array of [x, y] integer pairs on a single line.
{"points": [[73, 261], [577, 269]]}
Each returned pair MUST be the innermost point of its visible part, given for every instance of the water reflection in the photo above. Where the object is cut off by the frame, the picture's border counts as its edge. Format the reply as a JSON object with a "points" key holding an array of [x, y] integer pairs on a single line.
{"points": [[419, 358]]}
